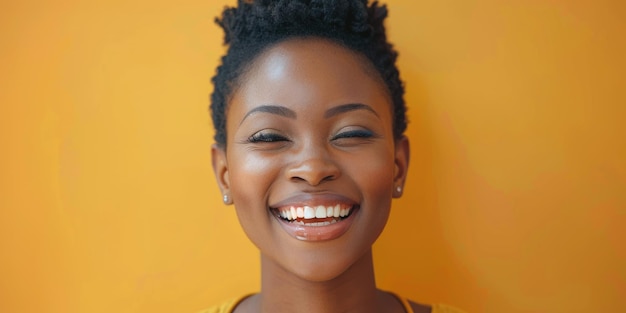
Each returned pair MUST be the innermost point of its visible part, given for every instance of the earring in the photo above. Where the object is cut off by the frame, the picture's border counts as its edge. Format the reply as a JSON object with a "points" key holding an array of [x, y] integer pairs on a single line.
{"points": [[226, 199], [399, 189]]}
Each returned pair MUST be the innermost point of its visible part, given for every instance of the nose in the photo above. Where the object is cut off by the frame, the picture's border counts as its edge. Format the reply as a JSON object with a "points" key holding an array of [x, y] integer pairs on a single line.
{"points": [[313, 164]]}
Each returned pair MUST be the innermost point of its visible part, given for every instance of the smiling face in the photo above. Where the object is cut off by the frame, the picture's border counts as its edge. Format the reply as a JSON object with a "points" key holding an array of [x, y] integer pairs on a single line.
{"points": [[311, 163]]}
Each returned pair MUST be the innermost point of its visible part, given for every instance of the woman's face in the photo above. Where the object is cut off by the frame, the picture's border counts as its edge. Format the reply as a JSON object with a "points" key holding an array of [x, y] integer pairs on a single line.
{"points": [[311, 163]]}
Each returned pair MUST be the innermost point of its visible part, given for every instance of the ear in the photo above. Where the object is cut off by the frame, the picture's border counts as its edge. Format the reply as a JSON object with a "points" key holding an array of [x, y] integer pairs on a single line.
{"points": [[401, 165], [220, 169]]}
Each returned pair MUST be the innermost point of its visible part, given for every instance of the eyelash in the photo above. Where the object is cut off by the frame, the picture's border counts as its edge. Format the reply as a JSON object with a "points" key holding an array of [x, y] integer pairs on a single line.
{"points": [[271, 137], [265, 137], [361, 133]]}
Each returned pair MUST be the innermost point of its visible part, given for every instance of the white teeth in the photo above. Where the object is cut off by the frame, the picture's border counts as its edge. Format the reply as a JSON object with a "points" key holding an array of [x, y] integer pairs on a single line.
{"points": [[309, 212], [320, 212], [343, 212]]}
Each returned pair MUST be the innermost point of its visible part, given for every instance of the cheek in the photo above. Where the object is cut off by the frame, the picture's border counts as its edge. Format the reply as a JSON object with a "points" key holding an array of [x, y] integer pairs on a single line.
{"points": [[375, 181], [374, 172], [250, 177], [246, 165], [374, 176]]}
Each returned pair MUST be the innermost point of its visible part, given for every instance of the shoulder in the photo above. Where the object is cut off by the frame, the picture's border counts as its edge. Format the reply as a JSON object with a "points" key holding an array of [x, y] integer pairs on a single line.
{"points": [[442, 308], [414, 307], [225, 307], [435, 308]]}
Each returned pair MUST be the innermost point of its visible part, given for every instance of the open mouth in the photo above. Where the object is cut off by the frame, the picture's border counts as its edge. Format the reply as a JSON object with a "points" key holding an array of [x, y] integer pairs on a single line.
{"points": [[317, 218], [314, 216]]}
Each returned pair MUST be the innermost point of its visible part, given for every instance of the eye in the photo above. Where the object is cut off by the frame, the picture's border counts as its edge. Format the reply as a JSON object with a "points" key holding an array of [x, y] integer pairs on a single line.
{"points": [[266, 136], [356, 133], [352, 137]]}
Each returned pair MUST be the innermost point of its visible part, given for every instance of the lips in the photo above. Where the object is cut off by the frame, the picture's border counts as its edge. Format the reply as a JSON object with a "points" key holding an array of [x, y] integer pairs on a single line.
{"points": [[315, 218]]}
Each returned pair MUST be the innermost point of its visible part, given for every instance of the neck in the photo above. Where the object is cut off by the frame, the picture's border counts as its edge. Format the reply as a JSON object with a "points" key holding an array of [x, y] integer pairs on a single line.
{"points": [[352, 291]]}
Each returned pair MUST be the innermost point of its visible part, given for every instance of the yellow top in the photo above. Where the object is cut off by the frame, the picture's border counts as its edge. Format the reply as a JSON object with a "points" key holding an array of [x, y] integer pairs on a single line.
{"points": [[229, 306]]}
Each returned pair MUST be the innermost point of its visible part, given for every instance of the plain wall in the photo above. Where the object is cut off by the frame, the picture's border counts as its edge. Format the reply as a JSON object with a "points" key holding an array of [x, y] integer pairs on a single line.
{"points": [[516, 194]]}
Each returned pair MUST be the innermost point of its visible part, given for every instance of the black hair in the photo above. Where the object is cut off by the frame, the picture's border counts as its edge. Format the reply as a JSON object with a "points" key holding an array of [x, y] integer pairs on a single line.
{"points": [[254, 26]]}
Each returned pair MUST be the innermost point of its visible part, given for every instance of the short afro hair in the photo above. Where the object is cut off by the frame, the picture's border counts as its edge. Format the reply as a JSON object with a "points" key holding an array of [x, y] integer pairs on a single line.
{"points": [[252, 27]]}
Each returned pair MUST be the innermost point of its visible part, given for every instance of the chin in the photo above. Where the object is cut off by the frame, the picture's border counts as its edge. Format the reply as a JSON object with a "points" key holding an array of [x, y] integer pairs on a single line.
{"points": [[320, 267], [320, 273]]}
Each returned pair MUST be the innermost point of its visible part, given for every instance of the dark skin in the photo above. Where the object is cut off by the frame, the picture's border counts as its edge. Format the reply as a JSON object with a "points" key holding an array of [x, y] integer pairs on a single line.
{"points": [[311, 125]]}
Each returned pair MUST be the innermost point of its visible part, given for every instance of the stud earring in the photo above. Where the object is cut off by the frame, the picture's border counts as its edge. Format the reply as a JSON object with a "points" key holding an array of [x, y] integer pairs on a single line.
{"points": [[399, 189], [226, 199]]}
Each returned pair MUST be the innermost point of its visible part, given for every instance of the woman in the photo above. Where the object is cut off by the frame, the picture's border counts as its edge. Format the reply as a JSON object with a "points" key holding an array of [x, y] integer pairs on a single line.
{"points": [[309, 119]]}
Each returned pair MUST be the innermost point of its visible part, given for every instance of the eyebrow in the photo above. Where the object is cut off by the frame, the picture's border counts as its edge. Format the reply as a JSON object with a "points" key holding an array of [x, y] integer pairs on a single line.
{"points": [[286, 112], [344, 108], [272, 109]]}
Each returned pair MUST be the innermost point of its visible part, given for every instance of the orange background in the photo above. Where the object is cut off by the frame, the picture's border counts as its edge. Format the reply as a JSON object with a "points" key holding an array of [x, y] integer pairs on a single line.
{"points": [[516, 194]]}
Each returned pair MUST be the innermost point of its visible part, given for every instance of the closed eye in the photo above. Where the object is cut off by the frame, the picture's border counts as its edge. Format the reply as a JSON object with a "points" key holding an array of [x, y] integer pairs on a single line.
{"points": [[266, 136], [357, 133]]}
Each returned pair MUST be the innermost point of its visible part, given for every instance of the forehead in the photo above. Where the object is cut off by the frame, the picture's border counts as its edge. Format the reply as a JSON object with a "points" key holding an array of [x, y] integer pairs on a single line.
{"points": [[311, 71]]}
